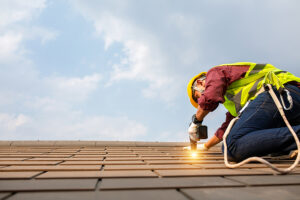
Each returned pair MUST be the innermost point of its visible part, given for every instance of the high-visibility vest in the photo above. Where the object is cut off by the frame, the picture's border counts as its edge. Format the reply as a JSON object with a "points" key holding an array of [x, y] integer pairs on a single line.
{"points": [[241, 91]]}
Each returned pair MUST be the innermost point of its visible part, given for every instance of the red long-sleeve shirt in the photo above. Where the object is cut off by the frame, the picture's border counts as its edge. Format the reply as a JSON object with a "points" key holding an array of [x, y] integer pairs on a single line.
{"points": [[217, 81]]}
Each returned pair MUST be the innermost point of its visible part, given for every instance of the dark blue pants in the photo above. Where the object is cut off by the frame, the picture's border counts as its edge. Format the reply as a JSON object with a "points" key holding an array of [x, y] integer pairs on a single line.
{"points": [[261, 129]]}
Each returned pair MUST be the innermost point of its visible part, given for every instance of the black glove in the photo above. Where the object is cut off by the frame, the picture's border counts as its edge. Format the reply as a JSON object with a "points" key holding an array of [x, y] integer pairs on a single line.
{"points": [[196, 121]]}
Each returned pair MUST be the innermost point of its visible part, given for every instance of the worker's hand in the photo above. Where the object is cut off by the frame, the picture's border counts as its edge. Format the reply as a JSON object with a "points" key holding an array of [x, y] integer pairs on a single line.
{"points": [[200, 147], [193, 128], [193, 132]]}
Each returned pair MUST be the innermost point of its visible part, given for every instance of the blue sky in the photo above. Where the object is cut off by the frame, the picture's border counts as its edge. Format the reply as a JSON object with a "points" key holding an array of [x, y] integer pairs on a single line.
{"points": [[118, 70]]}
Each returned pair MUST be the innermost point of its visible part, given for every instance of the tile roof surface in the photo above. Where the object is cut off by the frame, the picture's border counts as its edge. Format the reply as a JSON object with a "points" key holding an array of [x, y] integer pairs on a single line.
{"points": [[134, 170]]}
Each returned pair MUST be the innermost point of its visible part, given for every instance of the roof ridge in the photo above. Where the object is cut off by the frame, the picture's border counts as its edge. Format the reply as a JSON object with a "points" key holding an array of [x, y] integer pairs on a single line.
{"points": [[88, 143]]}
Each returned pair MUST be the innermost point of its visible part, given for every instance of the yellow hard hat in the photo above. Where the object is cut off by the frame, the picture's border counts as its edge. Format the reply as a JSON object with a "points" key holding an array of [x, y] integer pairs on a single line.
{"points": [[190, 89]]}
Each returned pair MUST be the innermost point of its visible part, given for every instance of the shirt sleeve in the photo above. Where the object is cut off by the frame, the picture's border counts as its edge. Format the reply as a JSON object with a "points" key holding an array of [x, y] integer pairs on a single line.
{"points": [[220, 132], [215, 87]]}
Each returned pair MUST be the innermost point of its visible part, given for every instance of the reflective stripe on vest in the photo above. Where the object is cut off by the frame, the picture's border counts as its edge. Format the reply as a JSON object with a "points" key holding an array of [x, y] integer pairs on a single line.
{"points": [[245, 89]]}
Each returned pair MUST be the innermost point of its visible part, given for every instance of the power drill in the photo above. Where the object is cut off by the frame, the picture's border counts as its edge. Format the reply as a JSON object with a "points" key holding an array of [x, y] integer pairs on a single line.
{"points": [[201, 134]]}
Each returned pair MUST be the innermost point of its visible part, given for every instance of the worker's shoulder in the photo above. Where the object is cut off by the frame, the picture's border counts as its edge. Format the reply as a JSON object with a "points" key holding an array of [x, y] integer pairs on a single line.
{"points": [[229, 68], [219, 68]]}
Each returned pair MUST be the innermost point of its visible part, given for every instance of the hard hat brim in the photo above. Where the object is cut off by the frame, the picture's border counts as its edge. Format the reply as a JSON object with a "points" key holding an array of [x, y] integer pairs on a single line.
{"points": [[190, 90]]}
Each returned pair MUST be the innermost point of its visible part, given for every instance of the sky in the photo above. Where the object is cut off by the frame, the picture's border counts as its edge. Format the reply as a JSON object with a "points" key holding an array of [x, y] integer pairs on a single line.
{"points": [[118, 69]]}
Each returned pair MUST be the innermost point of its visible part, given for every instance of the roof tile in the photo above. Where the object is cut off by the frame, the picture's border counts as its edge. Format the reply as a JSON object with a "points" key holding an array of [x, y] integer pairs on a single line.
{"points": [[268, 180], [18, 175], [209, 172], [46, 185], [103, 195], [155, 183], [245, 193], [148, 167], [52, 168]]}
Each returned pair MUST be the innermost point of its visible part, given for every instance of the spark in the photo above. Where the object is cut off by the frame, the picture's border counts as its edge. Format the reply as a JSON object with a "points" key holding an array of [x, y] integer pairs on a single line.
{"points": [[194, 154]]}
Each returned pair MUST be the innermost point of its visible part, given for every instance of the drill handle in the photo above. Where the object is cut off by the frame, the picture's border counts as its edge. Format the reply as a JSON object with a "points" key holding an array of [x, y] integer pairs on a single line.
{"points": [[202, 132]]}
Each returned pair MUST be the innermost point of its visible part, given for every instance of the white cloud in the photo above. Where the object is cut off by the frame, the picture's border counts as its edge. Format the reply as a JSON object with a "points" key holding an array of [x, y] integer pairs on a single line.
{"points": [[59, 94], [53, 116], [42, 33], [10, 123], [102, 128], [15, 28], [69, 125], [12, 42], [72, 88], [113, 29], [189, 29], [46, 104], [10, 45], [14, 11], [180, 136]]}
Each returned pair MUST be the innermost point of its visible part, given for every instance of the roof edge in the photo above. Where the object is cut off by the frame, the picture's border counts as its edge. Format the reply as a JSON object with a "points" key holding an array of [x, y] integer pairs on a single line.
{"points": [[58, 143]]}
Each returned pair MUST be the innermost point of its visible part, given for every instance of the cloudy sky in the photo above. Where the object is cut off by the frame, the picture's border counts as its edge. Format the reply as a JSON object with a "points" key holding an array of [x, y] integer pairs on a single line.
{"points": [[118, 69]]}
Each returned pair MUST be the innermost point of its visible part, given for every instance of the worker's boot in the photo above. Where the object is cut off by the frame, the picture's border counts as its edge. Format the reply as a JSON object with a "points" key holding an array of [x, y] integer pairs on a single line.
{"points": [[285, 155], [293, 154]]}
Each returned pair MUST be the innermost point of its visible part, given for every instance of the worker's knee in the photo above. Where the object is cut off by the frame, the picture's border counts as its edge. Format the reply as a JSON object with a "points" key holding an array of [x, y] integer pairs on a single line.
{"points": [[237, 157], [237, 152], [232, 155]]}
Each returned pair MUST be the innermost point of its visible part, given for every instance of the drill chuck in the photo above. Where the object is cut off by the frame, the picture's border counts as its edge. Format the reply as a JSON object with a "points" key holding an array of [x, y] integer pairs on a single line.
{"points": [[193, 145]]}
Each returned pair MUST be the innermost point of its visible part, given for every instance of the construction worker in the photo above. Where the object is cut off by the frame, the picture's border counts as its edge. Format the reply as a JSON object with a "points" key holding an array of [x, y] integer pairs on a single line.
{"points": [[239, 87]]}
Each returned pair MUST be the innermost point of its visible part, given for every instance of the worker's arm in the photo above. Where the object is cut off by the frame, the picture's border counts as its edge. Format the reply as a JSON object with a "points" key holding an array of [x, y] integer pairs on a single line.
{"points": [[200, 114], [220, 132], [212, 142], [218, 136]]}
